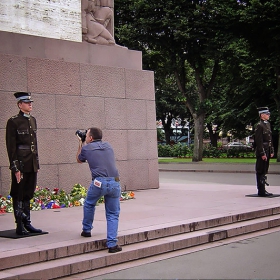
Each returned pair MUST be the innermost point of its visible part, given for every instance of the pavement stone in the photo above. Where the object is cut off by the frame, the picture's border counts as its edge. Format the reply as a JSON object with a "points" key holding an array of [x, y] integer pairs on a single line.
{"points": [[201, 166], [171, 203]]}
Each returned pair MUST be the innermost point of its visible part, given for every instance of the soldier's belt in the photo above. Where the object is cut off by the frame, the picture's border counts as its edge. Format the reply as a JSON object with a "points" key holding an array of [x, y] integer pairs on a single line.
{"points": [[26, 147], [23, 147], [266, 144]]}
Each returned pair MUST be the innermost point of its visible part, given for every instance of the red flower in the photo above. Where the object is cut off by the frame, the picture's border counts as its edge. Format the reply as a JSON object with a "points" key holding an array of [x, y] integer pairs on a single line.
{"points": [[55, 206]]}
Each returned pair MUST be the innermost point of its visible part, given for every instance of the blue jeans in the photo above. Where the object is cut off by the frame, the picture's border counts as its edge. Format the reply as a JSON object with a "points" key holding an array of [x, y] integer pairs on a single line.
{"points": [[111, 191]]}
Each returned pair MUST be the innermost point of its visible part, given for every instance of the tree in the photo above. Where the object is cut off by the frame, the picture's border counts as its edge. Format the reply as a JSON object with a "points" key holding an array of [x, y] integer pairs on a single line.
{"points": [[192, 37], [170, 103], [224, 56], [244, 84], [261, 28]]}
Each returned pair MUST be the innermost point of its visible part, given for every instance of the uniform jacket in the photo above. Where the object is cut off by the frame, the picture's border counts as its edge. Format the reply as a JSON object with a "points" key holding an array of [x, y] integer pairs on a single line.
{"points": [[263, 139], [21, 143]]}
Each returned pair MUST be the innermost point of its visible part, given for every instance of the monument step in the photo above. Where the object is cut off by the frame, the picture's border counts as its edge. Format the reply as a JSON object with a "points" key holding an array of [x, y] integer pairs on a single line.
{"points": [[85, 261], [55, 250]]}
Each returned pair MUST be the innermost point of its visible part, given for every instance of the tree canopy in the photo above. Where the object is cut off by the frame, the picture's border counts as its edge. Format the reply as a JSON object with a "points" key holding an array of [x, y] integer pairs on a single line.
{"points": [[209, 56]]}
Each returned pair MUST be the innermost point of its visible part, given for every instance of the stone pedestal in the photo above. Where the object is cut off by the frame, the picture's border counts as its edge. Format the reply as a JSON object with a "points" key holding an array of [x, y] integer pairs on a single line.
{"points": [[75, 86]]}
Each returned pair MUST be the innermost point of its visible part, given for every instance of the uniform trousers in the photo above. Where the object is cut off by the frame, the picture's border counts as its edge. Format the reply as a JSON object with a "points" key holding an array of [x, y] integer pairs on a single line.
{"points": [[25, 189], [261, 170]]}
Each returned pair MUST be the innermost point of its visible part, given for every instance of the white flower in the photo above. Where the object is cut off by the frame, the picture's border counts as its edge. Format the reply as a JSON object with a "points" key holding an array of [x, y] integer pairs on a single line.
{"points": [[82, 200]]}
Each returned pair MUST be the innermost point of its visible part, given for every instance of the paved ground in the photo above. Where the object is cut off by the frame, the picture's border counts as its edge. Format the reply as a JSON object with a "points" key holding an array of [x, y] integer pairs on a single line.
{"points": [[182, 196], [216, 167], [256, 257], [178, 199], [253, 258]]}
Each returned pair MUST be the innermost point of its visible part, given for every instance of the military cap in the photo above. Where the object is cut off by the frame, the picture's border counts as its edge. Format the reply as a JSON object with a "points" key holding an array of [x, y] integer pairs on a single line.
{"points": [[23, 96], [263, 110]]}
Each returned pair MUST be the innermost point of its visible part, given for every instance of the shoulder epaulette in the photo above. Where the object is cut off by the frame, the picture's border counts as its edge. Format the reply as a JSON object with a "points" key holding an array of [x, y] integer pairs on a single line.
{"points": [[13, 117]]}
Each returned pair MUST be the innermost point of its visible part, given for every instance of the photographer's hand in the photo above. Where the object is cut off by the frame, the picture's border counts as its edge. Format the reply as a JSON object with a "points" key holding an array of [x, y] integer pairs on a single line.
{"points": [[79, 150], [79, 137]]}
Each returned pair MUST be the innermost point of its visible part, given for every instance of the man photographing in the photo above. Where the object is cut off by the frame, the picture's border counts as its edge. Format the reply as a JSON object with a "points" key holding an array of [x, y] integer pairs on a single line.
{"points": [[105, 182], [264, 150]]}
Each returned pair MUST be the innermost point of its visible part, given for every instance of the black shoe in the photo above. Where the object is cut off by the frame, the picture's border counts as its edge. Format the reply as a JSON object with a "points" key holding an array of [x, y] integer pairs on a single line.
{"points": [[21, 230], [32, 229], [115, 249], [86, 234], [268, 194], [264, 194]]}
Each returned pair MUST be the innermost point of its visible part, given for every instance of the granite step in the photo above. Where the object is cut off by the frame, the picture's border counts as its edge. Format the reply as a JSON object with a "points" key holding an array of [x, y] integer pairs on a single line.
{"points": [[54, 250], [59, 260]]}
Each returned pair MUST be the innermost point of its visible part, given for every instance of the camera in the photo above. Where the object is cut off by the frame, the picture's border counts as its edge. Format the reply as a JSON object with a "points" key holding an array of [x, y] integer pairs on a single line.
{"points": [[82, 134]]}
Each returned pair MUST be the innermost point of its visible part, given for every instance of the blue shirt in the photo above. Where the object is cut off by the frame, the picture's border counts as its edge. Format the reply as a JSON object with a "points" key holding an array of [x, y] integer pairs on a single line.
{"points": [[101, 159]]}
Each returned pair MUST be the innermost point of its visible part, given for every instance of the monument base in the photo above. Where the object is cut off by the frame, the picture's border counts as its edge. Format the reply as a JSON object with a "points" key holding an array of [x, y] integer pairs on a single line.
{"points": [[62, 50], [255, 195], [11, 233], [77, 86]]}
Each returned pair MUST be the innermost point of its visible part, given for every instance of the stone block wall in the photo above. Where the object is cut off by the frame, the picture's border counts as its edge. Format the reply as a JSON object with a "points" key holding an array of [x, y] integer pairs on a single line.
{"points": [[70, 95]]}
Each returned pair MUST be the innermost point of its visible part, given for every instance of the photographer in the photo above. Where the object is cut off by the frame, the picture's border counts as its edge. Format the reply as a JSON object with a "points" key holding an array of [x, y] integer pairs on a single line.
{"points": [[105, 182]]}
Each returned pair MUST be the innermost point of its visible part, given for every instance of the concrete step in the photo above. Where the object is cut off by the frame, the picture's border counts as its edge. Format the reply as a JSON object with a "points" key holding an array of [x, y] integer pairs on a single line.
{"points": [[61, 260], [51, 251]]}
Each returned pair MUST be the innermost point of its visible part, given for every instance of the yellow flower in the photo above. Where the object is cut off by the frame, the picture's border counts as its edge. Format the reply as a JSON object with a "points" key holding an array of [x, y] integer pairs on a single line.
{"points": [[77, 203]]}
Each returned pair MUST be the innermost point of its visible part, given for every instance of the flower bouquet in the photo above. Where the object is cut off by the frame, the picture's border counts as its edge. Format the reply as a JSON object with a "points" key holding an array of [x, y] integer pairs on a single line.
{"points": [[78, 194], [44, 198], [6, 204], [127, 195]]}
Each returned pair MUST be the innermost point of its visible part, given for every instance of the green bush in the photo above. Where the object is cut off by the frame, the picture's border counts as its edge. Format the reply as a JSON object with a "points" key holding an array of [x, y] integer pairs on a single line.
{"points": [[164, 151], [239, 153], [213, 152], [180, 150], [177, 150]]}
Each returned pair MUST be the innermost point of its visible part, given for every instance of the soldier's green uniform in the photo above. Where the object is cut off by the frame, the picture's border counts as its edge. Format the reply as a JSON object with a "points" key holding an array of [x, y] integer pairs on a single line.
{"points": [[264, 147], [21, 143]]}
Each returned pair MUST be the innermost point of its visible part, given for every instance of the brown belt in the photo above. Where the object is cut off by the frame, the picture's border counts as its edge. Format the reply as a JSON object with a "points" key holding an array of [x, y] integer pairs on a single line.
{"points": [[117, 179]]}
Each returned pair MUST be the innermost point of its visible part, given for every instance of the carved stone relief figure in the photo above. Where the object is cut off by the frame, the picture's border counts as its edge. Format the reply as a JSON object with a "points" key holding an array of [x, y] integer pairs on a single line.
{"points": [[97, 22]]}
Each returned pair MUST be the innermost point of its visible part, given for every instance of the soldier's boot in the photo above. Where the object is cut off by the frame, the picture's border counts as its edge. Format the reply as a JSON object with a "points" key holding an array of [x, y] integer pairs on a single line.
{"points": [[261, 183], [26, 220], [19, 216]]}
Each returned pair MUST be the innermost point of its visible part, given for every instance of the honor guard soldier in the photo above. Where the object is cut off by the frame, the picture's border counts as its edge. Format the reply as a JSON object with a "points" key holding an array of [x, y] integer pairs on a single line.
{"points": [[21, 143], [264, 150]]}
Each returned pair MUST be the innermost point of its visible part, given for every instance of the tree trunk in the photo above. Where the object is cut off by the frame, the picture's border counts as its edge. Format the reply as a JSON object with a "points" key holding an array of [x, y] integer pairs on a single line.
{"points": [[167, 135], [166, 122], [198, 137]]}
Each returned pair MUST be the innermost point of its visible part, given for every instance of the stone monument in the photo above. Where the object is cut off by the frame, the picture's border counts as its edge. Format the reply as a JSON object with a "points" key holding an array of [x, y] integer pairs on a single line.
{"points": [[77, 80], [97, 19], [59, 19]]}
